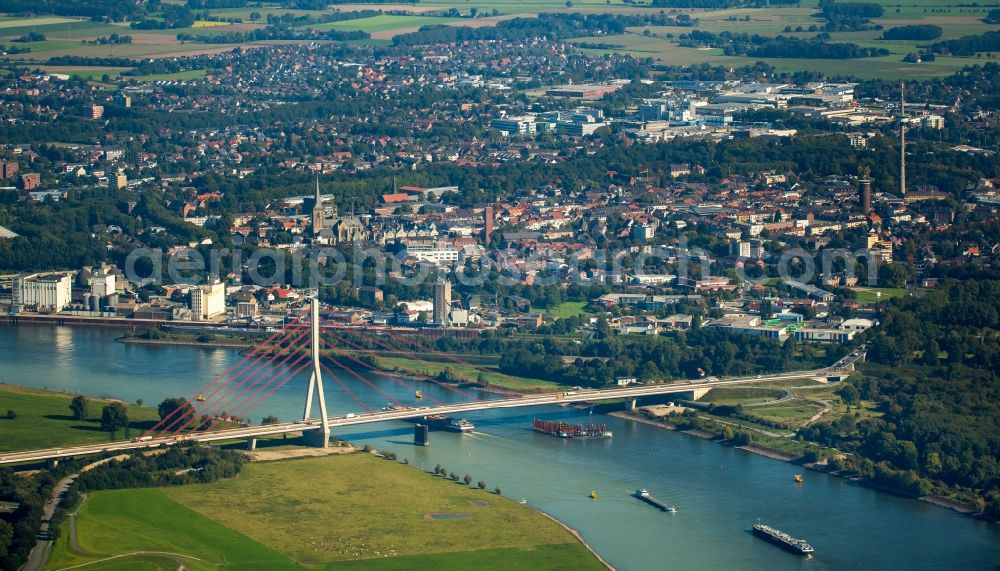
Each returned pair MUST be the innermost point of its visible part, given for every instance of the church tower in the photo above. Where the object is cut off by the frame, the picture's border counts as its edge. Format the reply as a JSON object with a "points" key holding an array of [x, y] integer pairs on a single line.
{"points": [[318, 216]]}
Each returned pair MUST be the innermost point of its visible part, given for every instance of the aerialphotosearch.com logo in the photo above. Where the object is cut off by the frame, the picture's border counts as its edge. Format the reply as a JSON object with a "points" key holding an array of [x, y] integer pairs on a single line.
{"points": [[313, 268]]}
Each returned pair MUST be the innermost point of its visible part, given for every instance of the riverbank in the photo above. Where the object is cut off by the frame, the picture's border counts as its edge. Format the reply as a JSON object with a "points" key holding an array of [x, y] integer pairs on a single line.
{"points": [[579, 538], [485, 377], [781, 456], [376, 514], [131, 339]]}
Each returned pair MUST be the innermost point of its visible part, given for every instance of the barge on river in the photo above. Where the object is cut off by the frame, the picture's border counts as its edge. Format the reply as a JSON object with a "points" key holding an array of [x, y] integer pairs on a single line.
{"points": [[782, 539], [564, 430], [645, 496]]}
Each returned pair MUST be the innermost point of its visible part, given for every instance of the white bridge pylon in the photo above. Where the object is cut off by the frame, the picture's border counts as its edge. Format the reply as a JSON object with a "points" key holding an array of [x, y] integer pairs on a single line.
{"points": [[320, 437]]}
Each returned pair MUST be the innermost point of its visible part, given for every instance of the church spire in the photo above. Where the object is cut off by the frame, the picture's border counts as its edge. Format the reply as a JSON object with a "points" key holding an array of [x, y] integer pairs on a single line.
{"points": [[317, 213]]}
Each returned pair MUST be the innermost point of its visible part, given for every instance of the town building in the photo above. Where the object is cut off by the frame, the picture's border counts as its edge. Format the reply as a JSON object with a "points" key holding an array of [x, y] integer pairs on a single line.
{"points": [[8, 169], [44, 292], [31, 180], [208, 301], [517, 126], [442, 302]]}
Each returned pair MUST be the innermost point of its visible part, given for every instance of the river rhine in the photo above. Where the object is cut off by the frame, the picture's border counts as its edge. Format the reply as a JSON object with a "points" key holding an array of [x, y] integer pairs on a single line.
{"points": [[720, 492]]}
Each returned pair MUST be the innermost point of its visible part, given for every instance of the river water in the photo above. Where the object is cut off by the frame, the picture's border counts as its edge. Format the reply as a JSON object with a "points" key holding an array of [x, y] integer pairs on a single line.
{"points": [[719, 491]]}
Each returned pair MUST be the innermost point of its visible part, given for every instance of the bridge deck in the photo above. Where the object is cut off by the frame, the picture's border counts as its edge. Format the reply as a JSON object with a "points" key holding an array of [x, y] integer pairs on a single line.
{"points": [[381, 416]]}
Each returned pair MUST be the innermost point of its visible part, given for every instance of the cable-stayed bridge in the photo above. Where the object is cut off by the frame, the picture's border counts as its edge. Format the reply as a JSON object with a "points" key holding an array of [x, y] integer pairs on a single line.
{"points": [[302, 345]]}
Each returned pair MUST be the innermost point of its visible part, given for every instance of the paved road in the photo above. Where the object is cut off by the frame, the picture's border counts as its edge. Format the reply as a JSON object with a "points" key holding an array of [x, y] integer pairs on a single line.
{"points": [[40, 553]]}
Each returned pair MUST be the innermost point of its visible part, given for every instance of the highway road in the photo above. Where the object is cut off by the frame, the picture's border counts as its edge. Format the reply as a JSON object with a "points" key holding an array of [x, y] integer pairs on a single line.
{"points": [[352, 419]]}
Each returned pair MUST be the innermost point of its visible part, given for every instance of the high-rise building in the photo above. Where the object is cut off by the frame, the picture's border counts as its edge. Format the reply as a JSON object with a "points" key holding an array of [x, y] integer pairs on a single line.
{"points": [[865, 190], [118, 180], [103, 283], [208, 301], [487, 224], [643, 233], [8, 169], [442, 302], [47, 292], [96, 112], [31, 180], [523, 125], [740, 249]]}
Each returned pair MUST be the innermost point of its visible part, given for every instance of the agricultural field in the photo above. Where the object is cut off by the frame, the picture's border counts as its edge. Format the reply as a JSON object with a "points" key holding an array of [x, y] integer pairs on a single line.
{"points": [[361, 512], [384, 23], [64, 35], [43, 420]]}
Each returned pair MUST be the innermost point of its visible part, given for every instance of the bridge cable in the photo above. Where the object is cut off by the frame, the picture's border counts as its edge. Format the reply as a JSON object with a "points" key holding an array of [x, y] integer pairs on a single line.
{"points": [[293, 357], [252, 354]]}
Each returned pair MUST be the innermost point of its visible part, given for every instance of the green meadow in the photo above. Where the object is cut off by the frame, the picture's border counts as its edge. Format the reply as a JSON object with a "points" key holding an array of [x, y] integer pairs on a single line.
{"points": [[43, 420], [352, 511]]}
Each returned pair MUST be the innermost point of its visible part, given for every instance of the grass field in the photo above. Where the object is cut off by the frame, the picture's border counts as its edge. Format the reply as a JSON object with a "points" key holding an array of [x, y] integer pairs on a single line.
{"points": [[383, 23], [360, 507], [148, 520], [491, 375], [738, 395], [569, 309], [795, 412], [870, 294], [785, 383], [44, 421], [567, 556], [178, 76], [336, 512], [12, 22]]}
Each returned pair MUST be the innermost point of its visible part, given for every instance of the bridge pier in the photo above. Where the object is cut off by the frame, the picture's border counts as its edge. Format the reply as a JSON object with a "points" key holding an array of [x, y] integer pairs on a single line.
{"points": [[632, 403], [322, 440], [251, 443], [52, 463], [421, 435], [317, 438]]}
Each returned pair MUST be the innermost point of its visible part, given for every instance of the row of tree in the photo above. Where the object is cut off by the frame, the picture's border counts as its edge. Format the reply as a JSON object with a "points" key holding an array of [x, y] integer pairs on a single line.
{"points": [[546, 25], [969, 45], [933, 370], [756, 45]]}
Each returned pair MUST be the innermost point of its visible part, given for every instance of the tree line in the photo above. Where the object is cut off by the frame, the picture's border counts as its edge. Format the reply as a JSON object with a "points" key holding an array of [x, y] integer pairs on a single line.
{"points": [[112, 10], [756, 45], [176, 466], [969, 45], [933, 370], [551, 26], [914, 32]]}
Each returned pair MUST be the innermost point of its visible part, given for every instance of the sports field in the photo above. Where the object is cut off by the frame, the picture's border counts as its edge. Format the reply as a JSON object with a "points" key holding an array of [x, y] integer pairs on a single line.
{"points": [[355, 512]]}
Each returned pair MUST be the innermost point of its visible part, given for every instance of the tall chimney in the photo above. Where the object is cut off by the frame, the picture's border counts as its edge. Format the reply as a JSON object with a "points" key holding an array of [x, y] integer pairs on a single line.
{"points": [[866, 195], [902, 139]]}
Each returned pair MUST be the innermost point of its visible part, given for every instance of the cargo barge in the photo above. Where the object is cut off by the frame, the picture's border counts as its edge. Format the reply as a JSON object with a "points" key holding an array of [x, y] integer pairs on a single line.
{"points": [[564, 430], [644, 495], [451, 423], [782, 539]]}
